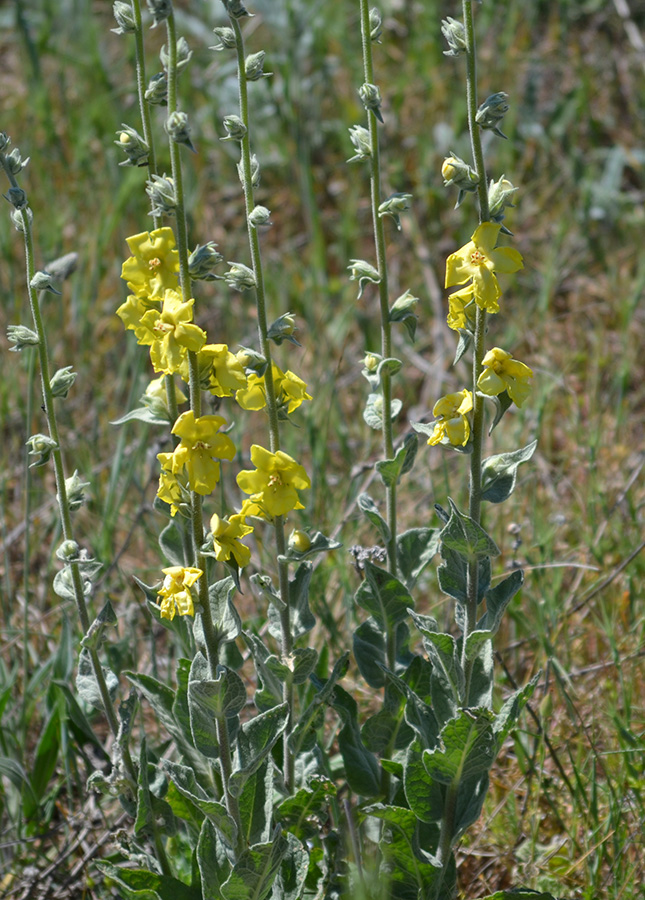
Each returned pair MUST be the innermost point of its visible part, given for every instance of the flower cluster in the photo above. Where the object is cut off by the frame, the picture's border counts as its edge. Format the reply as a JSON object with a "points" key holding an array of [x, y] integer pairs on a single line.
{"points": [[175, 592]]}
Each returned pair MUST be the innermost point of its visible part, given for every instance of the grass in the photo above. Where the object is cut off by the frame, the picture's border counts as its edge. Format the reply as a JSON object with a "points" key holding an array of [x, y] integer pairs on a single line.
{"points": [[566, 809]]}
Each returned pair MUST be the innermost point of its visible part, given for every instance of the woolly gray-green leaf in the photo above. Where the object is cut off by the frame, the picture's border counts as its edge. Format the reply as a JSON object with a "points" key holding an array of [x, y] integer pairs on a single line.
{"points": [[370, 511], [415, 548], [301, 618], [500, 472], [149, 884], [255, 741], [468, 747], [463, 535], [256, 805], [87, 685], [498, 598], [361, 767], [255, 870], [183, 778], [391, 470], [214, 867], [384, 596]]}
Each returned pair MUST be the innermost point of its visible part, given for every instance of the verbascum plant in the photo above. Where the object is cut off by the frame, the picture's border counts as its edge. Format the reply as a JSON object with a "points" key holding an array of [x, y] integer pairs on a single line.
{"points": [[244, 799]]}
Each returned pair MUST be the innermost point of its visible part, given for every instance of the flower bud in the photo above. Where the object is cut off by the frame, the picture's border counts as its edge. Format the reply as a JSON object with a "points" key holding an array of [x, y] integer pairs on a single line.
{"points": [[405, 303], [394, 206], [61, 382], [75, 490], [69, 551], [360, 138], [14, 162], [254, 66], [157, 91], [492, 111], [362, 272], [455, 35], [371, 362], [21, 337], [178, 130], [260, 216], [299, 541], [227, 37], [62, 267], [455, 171], [17, 197], [125, 20], [161, 190], [371, 98], [251, 361], [5, 140], [202, 260], [159, 10], [236, 9], [255, 172], [42, 281], [235, 128], [376, 23], [240, 277], [18, 221], [40, 447], [134, 146], [499, 198], [283, 328], [184, 54]]}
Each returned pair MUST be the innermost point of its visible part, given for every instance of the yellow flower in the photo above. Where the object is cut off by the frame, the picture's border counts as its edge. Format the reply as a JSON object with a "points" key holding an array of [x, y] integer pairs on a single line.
{"points": [[199, 450], [479, 260], [176, 591], [290, 391], [452, 425], [226, 371], [171, 489], [132, 311], [155, 263], [458, 308], [275, 482], [226, 534], [170, 333], [503, 373], [156, 390]]}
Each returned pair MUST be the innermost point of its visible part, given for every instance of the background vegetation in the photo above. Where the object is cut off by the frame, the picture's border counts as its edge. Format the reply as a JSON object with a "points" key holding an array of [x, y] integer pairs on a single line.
{"points": [[566, 809]]}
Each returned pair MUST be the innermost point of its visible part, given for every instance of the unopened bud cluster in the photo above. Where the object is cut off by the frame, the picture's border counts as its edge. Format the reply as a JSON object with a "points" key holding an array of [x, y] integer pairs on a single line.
{"points": [[133, 145], [492, 111]]}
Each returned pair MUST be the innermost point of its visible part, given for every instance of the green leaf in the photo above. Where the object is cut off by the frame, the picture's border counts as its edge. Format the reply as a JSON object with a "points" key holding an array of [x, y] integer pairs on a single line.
{"points": [[471, 796], [468, 748], [502, 403], [509, 713], [453, 576], [418, 714], [270, 693], [86, 683], [465, 337], [184, 780], [171, 543], [212, 860], [18, 777], [370, 511], [301, 618], [500, 472], [361, 767], [292, 873], [391, 470], [256, 805], [95, 634], [301, 664], [254, 743], [210, 699], [498, 598], [425, 796], [464, 536], [479, 649], [448, 680], [304, 732], [145, 883], [373, 412], [143, 414], [254, 873], [386, 726], [415, 548], [305, 812], [370, 651], [152, 813], [159, 696], [226, 620], [383, 596], [45, 760]]}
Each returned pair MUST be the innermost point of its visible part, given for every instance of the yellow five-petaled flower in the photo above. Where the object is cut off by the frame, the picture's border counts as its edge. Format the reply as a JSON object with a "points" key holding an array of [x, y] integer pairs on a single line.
{"points": [[175, 592], [200, 449], [226, 534], [478, 260], [503, 373], [275, 482], [452, 424], [154, 266]]}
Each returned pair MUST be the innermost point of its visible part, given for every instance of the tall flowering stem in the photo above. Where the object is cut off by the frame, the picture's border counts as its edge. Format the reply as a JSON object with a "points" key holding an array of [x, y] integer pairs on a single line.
{"points": [[271, 402], [479, 349], [210, 635], [57, 457], [381, 265]]}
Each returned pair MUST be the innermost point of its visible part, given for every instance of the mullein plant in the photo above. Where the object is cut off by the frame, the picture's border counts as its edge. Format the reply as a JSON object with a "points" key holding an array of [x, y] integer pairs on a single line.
{"points": [[424, 758], [226, 804]]}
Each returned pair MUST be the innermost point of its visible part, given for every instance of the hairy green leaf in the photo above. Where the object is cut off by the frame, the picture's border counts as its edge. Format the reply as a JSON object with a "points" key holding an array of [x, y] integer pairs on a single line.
{"points": [[415, 548], [500, 472], [383, 596]]}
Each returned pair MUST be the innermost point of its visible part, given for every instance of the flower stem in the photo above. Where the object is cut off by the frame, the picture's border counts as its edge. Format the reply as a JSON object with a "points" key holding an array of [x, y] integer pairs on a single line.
{"points": [[272, 406], [386, 331]]}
